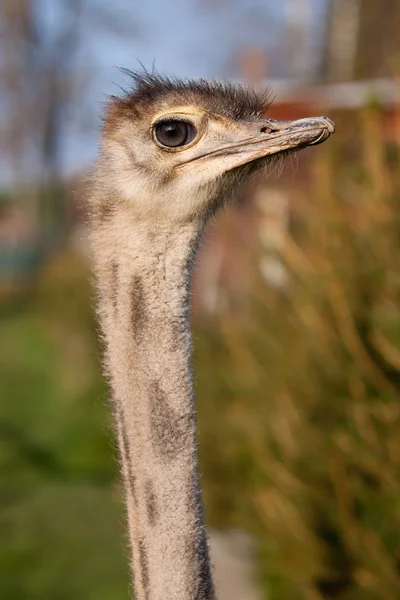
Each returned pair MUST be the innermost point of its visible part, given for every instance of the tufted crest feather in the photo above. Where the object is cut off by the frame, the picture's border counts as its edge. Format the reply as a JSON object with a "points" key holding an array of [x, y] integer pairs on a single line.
{"points": [[148, 90]]}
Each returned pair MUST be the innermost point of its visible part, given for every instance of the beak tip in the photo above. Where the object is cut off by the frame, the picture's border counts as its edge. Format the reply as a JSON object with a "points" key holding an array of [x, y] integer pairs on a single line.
{"points": [[330, 125]]}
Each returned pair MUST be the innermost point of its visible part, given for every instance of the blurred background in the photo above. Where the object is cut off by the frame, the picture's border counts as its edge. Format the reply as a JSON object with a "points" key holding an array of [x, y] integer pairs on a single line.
{"points": [[296, 304]]}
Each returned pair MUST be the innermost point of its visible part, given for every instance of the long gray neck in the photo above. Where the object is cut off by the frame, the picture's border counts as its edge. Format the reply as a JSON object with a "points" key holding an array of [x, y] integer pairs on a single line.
{"points": [[144, 279]]}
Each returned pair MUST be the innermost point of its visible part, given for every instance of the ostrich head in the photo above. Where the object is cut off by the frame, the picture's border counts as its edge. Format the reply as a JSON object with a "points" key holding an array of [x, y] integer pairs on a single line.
{"points": [[173, 150]]}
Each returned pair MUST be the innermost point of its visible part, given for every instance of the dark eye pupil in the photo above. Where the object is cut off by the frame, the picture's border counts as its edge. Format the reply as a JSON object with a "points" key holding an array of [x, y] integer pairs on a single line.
{"points": [[173, 130], [174, 133]]}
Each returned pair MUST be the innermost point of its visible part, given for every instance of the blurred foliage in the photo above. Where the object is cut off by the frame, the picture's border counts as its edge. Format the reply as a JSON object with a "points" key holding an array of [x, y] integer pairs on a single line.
{"points": [[300, 389], [299, 408], [60, 520]]}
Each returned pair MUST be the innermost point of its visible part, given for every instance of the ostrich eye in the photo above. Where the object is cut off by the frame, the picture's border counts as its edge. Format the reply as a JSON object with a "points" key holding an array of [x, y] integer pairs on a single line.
{"points": [[173, 134]]}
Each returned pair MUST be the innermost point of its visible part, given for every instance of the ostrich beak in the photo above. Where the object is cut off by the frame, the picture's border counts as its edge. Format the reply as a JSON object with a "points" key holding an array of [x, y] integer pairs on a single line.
{"points": [[268, 137], [286, 135]]}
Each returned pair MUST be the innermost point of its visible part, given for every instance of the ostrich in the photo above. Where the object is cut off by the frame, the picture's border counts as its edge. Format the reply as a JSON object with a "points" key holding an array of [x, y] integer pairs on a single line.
{"points": [[172, 152]]}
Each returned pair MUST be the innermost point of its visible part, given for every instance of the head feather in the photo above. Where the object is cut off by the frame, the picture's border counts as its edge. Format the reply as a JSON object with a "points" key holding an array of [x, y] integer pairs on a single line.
{"points": [[148, 89]]}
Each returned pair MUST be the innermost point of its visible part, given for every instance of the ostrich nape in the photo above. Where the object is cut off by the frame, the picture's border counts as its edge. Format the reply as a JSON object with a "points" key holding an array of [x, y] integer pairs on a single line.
{"points": [[171, 152]]}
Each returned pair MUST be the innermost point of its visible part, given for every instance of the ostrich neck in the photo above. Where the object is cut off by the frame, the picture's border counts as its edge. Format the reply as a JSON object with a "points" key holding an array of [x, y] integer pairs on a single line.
{"points": [[144, 279]]}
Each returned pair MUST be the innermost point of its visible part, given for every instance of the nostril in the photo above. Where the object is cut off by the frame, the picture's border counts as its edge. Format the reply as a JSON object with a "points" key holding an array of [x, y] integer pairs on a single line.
{"points": [[271, 128]]}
